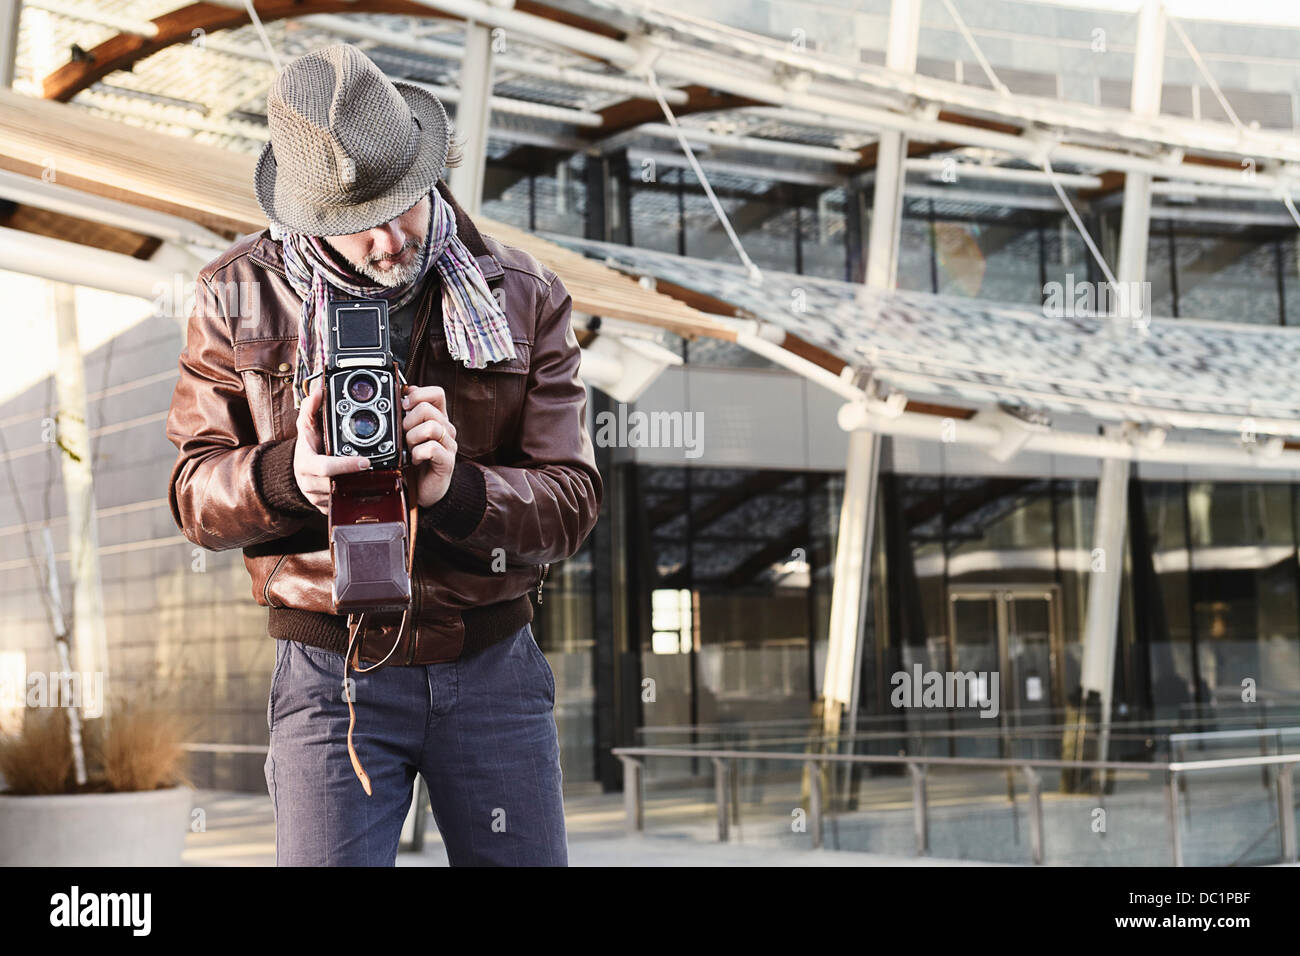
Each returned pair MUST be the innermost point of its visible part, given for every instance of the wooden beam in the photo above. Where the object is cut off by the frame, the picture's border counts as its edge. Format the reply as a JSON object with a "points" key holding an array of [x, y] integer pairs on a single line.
{"points": [[57, 225], [813, 353], [227, 226], [1219, 161], [870, 154], [207, 185], [697, 300], [1111, 182], [122, 51], [961, 119], [942, 411], [632, 113]]}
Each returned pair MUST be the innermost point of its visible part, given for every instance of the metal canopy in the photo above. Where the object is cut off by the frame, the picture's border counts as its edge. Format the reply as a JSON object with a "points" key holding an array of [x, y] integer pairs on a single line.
{"points": [[555, 79], [1179, 373]]}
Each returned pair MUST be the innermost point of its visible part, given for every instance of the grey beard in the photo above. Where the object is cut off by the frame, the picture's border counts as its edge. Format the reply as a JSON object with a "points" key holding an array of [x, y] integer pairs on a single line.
{"points": [[397, 275]]}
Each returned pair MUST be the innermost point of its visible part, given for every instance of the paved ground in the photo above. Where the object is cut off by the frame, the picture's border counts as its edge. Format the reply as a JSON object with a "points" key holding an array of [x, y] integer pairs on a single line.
{"points": [[240, 831]]}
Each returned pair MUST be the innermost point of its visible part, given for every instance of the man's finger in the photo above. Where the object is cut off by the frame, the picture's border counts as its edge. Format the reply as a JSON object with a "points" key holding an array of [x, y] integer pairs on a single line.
{"points": [[433, 431], [326, 466], [430, 450], [308, 413], [426, 412], [315, 484], [412, 395]]}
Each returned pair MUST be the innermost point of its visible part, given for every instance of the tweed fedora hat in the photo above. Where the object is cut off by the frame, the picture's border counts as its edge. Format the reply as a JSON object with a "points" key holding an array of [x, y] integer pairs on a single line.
{"points": [[350, 149]]}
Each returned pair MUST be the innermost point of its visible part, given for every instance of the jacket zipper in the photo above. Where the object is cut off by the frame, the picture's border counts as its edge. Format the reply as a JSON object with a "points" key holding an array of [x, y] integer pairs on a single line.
{"points": [[417, 337], [416, 604], [266, 588], [279, 270], [541, 576]]}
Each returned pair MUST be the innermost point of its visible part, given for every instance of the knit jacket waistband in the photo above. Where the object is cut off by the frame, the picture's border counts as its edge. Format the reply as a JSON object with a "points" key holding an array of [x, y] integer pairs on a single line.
{"points": [[484, 626]]}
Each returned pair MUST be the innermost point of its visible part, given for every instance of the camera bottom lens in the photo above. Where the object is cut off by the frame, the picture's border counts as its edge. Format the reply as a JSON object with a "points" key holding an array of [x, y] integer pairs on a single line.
{"points": [[365, 424]]}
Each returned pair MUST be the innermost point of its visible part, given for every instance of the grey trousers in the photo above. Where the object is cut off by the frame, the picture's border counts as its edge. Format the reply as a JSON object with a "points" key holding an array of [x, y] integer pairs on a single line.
{"points": [[480, 730]]}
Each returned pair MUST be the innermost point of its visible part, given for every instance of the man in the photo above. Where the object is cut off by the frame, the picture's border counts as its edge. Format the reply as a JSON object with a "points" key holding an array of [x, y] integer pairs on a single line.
{"points": [[502, 471]]}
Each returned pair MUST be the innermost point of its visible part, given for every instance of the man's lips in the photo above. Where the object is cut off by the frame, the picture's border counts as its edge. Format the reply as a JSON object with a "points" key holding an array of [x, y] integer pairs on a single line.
{"points": [[387, 262]]}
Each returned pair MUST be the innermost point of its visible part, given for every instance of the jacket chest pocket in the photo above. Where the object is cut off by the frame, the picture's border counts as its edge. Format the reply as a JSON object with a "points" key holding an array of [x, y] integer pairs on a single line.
{"points": [[485, 404], [266, 367]]}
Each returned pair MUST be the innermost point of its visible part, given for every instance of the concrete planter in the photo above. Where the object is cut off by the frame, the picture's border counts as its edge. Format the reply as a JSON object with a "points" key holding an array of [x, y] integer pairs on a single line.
{"points": [[95, 829]]}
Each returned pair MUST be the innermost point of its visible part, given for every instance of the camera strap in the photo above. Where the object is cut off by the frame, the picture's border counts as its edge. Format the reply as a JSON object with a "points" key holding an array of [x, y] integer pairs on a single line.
{"points": [[356, 628]]}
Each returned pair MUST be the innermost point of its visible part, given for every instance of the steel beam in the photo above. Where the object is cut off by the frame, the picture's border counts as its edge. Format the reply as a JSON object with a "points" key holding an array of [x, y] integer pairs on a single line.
{"points": [[48, 258], [1148, 74], [472, 116], [851, 577], [840, 687], [891, 155], [1104, 585], [90, 637], [1106, 578], [10, 14]]}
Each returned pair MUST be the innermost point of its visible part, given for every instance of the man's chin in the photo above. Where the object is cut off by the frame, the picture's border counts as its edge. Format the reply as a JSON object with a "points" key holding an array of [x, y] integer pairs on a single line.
{"points": [[392, 276]]}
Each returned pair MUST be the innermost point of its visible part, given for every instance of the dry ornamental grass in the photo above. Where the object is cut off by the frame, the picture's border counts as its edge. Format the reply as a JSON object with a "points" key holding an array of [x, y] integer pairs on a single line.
{"points": [[142, 750], [38, 760]]}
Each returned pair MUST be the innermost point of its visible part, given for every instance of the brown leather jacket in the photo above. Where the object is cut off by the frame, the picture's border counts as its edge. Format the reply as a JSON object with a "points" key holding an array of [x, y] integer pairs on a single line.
{"points": [[525, 491]]}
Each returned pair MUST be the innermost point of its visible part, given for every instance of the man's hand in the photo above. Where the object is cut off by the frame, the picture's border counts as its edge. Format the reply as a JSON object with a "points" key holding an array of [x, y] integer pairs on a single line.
{"points": [[311, 466], [430, 439]]}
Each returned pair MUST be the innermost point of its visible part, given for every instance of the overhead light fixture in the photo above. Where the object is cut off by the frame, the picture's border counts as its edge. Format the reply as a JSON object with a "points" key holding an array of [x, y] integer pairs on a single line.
{"points": [[1150, 436], [886, 400], [624, 367], [1153, 437], [895, 404], [1015, 423], [1037, 418]]}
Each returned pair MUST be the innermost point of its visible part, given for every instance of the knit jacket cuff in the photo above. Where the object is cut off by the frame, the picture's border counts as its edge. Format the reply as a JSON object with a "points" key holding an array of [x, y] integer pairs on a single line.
{"points": [[275, 480], [457, 513]]}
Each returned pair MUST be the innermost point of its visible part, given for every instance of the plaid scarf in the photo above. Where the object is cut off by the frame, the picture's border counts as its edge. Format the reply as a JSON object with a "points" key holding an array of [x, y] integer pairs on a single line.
{"points": [[476, 327]]}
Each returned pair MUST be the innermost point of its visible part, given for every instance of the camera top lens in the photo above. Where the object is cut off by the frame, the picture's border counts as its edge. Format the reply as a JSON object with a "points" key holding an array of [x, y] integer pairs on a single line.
{"points": [[362, 388]]}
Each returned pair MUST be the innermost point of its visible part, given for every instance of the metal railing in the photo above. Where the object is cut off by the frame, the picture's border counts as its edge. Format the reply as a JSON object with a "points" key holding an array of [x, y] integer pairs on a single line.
{"points": [[1254, 716], [918, 766]]}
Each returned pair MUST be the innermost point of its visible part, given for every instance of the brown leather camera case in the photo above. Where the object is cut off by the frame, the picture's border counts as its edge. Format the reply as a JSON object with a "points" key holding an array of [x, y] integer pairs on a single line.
{"points": [[368, 541]]}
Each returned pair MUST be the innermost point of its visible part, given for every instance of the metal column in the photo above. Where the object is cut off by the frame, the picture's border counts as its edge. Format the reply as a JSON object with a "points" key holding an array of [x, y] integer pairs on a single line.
{"points": [[887, 203], [1104, 580], [851, 577], [472, 115], [861, 484], [90, 639], [1106, 577], [633, 805], [10, 13], [1148, 75], [1286, 811], [886, 210]]}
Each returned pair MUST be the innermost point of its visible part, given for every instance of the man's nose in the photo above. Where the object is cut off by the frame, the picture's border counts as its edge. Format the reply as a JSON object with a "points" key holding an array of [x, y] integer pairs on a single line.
{"points": [[388, 239]]}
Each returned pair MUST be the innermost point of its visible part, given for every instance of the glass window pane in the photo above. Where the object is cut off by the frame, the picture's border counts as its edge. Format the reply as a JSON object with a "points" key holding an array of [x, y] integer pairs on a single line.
{"points": [[1227, 276], [560, 195], [823, 239]]}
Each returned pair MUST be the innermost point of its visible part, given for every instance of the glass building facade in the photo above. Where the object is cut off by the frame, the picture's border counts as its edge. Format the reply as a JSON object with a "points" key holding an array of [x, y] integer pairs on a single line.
{"points": [[726, 572]]}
